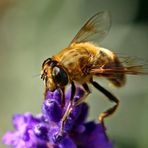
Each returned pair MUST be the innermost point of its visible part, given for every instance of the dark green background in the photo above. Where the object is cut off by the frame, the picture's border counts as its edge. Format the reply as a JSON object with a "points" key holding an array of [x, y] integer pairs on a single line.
{"points": [[32, 30]]}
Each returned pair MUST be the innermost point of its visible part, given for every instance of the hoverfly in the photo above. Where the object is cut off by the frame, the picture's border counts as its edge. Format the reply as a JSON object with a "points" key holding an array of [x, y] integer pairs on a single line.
{"points": [[82, 59]]}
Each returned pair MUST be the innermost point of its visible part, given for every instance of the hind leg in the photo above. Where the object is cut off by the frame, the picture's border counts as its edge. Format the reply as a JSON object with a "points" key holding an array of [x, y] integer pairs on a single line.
{"points": [[111, 97]]}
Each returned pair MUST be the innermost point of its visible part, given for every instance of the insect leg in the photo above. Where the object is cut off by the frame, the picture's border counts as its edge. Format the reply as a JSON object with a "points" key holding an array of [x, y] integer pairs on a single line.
{"points": [[63, 96], [86, 88], [45, 91], [45, 88], [69, 108], [111, 97]]}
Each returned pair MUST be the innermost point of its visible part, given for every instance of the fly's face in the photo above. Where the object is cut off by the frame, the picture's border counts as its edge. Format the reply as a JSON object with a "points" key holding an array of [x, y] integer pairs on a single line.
{"points": [[53, 74]]}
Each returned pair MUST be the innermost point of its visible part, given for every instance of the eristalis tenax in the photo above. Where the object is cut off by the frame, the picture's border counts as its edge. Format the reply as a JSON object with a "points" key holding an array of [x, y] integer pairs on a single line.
{"points": [[81, 60]]}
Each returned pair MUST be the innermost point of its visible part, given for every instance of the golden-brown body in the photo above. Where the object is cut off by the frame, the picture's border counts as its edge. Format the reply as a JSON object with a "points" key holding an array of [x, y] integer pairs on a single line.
{"points": [[80, 59]]}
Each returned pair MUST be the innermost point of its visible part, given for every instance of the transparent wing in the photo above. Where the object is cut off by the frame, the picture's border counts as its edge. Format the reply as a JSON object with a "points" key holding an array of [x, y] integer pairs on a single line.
{"points": [[129, 65], [96, 28]]}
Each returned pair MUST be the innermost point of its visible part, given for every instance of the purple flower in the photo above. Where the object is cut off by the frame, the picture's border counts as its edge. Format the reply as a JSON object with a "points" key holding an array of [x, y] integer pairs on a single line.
{"points": [[42, 131]]}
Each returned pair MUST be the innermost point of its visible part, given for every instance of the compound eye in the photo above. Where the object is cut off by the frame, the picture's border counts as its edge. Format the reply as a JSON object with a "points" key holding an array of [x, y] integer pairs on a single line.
{"points": [[59, 76]]}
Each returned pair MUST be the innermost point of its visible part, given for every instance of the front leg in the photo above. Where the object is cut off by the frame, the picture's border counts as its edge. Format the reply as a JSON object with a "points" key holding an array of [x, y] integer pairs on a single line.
{"points": [[45, 91], [69, 108]]}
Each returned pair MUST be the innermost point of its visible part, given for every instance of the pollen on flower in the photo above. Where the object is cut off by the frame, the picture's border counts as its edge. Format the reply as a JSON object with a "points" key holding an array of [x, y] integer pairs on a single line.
{"points": [[41, 131]]}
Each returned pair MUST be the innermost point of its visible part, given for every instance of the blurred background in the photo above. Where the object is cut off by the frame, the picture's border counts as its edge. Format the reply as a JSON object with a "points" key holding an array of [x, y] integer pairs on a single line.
{"points": [[33, 30]]}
